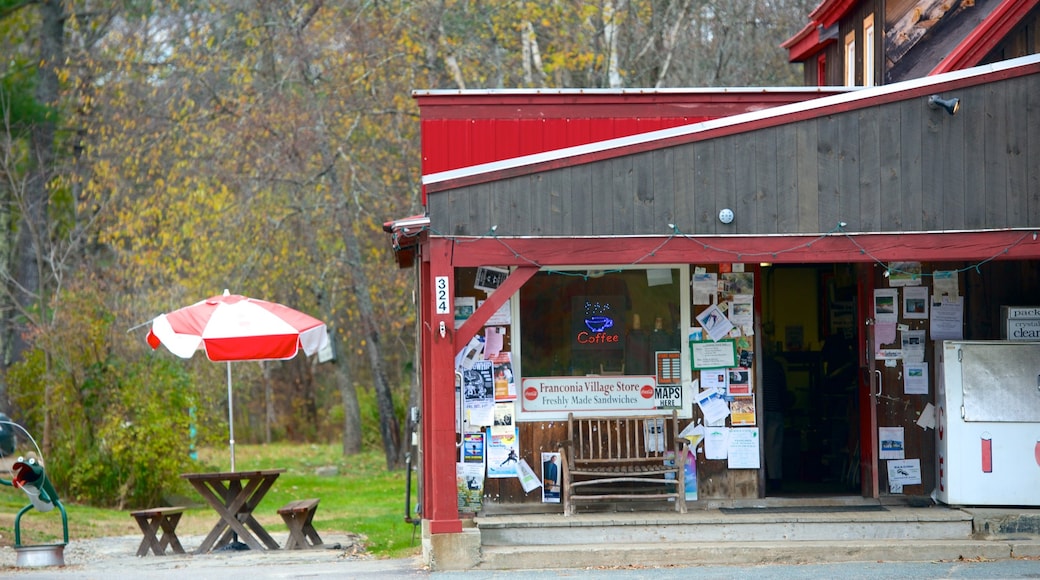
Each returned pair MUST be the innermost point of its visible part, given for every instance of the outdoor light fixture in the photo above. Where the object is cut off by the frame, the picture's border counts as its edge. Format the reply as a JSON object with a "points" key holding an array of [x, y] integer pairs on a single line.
{"points": [[726, 216], [949, 105]]}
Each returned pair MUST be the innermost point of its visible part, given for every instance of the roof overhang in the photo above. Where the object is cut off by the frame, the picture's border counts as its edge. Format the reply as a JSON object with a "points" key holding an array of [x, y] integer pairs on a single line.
{"points": [[405, 236], [815, 108], [807, 43], [830, 12]]}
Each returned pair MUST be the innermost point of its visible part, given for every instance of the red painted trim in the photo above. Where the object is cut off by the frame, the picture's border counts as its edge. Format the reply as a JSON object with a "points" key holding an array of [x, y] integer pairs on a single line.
{"points": [[440, 497], [446, 526], [831, 11], [924, 247], [868, 419], [511, 285], [693, 103], [804, 45], [986, 36], [735, 128]]}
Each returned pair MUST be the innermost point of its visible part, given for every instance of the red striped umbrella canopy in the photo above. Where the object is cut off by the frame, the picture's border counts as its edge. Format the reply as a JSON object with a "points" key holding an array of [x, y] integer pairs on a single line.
{"points": [[232, 327]]}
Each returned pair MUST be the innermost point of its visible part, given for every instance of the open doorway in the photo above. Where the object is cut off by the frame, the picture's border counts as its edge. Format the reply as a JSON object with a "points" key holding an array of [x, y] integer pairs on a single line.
{"points": [[809, 321]]}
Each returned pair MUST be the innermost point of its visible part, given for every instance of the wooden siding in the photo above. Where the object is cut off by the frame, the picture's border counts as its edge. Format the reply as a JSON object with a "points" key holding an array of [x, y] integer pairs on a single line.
{"points": [[893, 167]]}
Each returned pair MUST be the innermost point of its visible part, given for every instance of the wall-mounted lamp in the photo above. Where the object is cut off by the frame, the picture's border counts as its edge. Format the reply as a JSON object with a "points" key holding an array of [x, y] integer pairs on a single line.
{"points": [[951, 106], [726, 216]]}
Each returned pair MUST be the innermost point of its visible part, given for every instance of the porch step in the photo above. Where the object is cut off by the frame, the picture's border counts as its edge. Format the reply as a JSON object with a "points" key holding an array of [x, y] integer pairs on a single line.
{"points": [[764, 524], [758, 532], [659, 554]]}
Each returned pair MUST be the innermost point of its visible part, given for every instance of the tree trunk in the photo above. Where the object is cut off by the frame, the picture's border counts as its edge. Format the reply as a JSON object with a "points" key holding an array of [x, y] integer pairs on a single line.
{"points": [[351, 409]]}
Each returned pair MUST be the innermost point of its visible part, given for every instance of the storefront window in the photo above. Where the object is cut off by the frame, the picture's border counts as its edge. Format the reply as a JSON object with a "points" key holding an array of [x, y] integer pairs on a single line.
{"points": [[587, 322]]}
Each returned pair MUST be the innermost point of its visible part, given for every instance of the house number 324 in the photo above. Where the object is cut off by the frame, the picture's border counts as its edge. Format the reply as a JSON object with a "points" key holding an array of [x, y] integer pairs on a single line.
{"points": [[442, 302]]}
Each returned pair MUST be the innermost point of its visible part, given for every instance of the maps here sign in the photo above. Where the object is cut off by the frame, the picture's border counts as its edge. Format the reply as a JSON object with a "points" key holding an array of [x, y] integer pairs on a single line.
{"points": [[597, 394]]}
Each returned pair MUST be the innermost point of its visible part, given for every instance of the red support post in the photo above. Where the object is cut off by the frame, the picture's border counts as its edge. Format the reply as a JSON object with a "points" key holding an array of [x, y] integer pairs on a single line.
{"points": [[440, 498]]}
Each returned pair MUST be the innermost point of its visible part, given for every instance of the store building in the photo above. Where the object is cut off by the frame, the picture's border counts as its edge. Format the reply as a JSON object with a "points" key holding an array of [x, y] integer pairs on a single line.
{"points": [[844, 235]]}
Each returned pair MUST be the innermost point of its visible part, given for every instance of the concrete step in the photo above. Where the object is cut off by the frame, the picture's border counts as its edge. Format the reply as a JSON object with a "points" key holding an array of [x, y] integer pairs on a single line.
{"points": [[773, 523], [665, 553]]}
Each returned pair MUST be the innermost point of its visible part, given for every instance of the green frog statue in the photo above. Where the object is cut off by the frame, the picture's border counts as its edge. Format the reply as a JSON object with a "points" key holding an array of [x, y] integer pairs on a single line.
{"points": [[30, 477]]}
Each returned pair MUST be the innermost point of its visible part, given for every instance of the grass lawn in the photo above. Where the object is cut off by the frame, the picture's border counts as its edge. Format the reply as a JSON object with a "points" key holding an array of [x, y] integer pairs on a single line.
{"points": [[362, 498]]}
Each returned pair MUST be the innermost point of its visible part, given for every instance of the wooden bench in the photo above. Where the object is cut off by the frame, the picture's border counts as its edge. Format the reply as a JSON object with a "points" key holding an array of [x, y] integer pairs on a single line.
{"points": [[299, 517], [623, 458], [151, 521]]}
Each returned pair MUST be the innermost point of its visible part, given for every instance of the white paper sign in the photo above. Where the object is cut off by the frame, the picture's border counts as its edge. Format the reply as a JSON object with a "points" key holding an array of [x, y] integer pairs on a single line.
{"points": [[904, 472], [713, 406], [744, 445]]}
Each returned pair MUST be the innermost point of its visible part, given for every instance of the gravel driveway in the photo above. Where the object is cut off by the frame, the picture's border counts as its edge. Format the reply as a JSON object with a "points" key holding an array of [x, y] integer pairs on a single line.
{"points": [[342, 556]]}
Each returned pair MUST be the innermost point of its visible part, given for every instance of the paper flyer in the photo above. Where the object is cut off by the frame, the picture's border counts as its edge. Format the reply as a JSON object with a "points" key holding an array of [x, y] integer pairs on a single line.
{"points": [[744, 448], [473, 448], [528, 478], [714, 322], [713, 406], [690, 476], [915, 378], [478, 394], [694, 433], [890, 440], [742, 411], [716, 443]]}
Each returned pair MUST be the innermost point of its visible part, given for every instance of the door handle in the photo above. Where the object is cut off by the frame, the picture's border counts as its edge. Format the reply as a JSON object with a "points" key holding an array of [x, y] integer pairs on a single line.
{"points": [[877, 390]]}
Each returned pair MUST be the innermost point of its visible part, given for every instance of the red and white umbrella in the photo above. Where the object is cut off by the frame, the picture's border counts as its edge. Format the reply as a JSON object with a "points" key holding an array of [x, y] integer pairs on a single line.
{"points": [[232, 328]]}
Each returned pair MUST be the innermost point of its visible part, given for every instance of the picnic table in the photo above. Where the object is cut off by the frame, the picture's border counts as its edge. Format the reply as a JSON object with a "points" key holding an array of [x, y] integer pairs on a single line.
{"points": [[234, 495]]}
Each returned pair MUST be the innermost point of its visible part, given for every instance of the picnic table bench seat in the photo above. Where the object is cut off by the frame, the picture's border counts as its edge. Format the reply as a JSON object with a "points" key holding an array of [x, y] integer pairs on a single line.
{"points": [[299, 518], [158, 520], [636, 457]]}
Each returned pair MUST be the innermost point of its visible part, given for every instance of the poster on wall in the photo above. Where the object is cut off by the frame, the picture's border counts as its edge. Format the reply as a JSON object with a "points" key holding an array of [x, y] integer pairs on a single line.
{"points": [[464, 308], [550, 477], [669, 367], [690, 474], [915, 302], [478, 394], [744, 449], [904, 273], [890, 442], [469, 483], [473, 448], [741, 312], [886, 305], [503, 455], [739, 384], [713, 355], [734, 283], [947, 318], [489, 279], [714, 322], [742, 411], [705, 286]]}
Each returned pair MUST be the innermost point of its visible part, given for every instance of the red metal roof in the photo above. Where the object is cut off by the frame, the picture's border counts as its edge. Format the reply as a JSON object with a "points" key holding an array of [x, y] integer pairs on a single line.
{"points": [[466, 128]]}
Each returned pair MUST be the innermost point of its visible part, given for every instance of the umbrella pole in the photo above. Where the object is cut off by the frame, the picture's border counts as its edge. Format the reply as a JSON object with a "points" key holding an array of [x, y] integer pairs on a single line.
{"points": [[231, 416]]}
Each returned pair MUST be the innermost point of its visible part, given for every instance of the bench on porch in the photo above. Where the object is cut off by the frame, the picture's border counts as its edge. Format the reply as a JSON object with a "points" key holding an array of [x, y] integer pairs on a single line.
{"points": [[152, 521], [623, 458], [299, 517]]}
